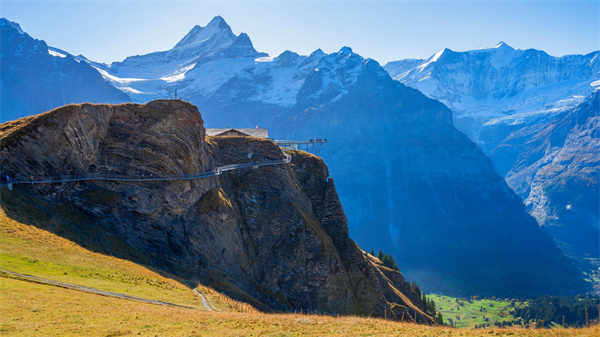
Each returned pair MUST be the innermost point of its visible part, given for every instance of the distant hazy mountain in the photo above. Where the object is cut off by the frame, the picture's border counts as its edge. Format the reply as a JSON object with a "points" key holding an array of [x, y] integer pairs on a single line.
{"points": [[557, 167], [500, 85], [516, 105], [36, 78], [409, 181]]}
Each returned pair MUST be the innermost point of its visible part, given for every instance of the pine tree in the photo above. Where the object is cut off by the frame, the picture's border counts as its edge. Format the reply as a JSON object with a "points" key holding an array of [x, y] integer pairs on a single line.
{"points": [[439, 319]]}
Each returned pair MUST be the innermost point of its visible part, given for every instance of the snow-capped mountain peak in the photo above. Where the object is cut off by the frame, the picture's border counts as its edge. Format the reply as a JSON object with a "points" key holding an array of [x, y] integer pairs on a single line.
{"points": [[476, 83], [199, 46], [217, 28], [503, 45]]}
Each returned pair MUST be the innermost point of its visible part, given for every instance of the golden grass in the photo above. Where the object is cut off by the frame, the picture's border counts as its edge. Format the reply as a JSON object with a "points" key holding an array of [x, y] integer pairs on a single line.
{"points": [[30, 250], [29, 309]]}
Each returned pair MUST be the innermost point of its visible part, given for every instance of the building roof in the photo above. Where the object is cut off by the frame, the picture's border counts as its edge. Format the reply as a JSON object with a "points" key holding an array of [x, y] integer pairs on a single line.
{"points": [[256, 132]]}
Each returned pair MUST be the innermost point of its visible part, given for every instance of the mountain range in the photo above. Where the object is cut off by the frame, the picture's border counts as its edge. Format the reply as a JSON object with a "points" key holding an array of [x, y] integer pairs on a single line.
{"points": [[409, 181], [36, 77], [275, 236], [534, 115]]}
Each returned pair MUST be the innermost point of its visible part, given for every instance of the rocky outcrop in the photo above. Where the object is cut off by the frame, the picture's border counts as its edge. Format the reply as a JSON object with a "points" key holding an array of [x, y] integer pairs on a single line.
{"points": [[273, 236]]}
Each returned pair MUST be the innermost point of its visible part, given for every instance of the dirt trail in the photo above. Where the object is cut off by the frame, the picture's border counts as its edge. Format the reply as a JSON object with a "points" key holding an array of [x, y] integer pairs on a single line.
{"points": [[31, 278]]}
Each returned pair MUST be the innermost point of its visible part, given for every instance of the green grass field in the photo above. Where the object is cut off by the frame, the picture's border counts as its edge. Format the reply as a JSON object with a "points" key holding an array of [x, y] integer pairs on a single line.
{"points": [[30, 250], [478, 312]]}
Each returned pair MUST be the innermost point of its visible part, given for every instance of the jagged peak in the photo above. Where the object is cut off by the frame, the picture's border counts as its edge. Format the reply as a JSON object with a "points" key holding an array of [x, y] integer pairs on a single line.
{"points": [[243, 38], [287, 57], [288, 54], [4, 22], [345, 50], [217, 20], [317, 53], [503, 44], [198, 34], [435, 57], [241, 46]]}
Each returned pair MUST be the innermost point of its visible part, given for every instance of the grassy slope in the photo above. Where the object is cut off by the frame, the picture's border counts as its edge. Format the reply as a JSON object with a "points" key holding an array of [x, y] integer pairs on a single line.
{"points": [[467, 313], [29, 250], [30, 309]]}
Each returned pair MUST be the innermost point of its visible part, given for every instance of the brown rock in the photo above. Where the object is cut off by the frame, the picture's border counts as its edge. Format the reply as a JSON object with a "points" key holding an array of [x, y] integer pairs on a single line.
{"points": [[274, 236]]}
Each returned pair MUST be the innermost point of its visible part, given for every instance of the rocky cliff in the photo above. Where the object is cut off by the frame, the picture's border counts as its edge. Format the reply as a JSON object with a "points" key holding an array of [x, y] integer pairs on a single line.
{"points": [[273, 236]]}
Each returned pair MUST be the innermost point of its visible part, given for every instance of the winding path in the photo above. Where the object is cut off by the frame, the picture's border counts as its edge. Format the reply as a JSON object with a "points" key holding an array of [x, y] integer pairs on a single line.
{"points": [[205, 303], [35, 279]]}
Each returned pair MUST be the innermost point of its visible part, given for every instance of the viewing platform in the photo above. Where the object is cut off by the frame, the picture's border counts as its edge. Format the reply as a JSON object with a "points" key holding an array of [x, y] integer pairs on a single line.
{"points": [[311, 145]]}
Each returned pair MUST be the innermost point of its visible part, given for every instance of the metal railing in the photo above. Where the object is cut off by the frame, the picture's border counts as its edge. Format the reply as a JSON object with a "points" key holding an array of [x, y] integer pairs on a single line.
{"points": [[212, 173]]}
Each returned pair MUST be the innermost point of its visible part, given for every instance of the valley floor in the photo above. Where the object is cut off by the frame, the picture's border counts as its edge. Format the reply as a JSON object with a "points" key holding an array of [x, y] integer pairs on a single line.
{"points": [[470, 313]]}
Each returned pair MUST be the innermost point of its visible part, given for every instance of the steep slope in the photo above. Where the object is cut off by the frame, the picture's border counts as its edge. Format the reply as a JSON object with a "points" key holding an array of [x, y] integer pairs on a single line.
{"points": [[36, 78], [275, 237], [449, 219], [557, 169], [410, 182], [518, 106], [30, 250]]}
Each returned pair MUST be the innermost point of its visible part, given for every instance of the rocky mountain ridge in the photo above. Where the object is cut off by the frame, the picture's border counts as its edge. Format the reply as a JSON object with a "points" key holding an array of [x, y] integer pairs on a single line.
{"points": [[520, 107], [500, 85], [275, 237], [558, 170], [35, 77]]}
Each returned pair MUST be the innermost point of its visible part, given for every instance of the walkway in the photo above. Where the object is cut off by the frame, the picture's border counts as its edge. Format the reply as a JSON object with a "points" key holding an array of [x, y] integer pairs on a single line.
{"points": [[212, 173]]}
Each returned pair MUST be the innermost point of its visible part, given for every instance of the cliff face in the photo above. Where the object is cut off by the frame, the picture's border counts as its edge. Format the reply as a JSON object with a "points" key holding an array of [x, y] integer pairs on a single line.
{"points": [[556, 170], [274, 236]]}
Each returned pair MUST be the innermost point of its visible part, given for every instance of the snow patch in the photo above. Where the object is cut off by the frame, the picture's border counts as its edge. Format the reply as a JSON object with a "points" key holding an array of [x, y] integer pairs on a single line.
{"points": [[432, 59], [113, 78], [56, 54], [264, 59], [131, 90], [179, 74], [206, 78]]}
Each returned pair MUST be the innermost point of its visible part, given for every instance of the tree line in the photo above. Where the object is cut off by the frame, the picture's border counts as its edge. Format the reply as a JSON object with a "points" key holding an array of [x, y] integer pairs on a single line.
{"points": [[573, 311], [427, 304]]}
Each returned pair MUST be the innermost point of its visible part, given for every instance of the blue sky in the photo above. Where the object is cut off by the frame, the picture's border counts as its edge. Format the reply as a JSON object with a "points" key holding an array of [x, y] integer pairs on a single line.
{"points": [[384, 30]]}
